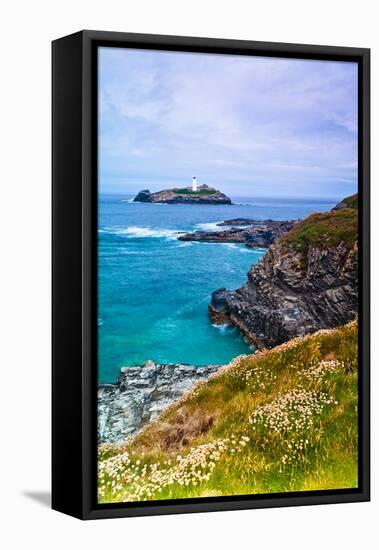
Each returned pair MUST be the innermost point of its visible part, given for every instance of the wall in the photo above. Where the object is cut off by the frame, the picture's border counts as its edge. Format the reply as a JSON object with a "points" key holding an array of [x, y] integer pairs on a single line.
{"points": [[27, 29]]}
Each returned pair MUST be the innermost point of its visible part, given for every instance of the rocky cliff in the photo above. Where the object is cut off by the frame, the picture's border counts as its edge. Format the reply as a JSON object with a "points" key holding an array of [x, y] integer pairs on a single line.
{"points": [[307, 280], [140, 394], [205, 195]]}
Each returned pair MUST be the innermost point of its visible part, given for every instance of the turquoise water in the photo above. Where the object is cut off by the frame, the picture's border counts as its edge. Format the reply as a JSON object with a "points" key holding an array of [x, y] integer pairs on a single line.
{"points": [[154, 290]]}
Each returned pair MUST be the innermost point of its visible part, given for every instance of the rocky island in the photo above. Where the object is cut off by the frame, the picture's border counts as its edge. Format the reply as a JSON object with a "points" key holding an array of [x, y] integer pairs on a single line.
{"points": [[185, 195], [307, 280], [252, 233]]}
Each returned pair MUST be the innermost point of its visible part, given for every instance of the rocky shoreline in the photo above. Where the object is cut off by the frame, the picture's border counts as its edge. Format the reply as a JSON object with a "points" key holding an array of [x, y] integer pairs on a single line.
{"points": [[254, 234], [140, 394]]}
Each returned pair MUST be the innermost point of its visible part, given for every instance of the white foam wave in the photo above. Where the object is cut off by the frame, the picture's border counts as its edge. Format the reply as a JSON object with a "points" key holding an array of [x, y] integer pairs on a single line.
{"points": [[143, 232], [236, 246], [230, 245], [210, 226], [242, 248], [222, 328]]}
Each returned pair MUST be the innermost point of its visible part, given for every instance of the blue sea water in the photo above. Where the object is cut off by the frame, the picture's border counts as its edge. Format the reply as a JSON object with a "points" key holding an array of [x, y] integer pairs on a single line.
{"points": [[154, 290]]}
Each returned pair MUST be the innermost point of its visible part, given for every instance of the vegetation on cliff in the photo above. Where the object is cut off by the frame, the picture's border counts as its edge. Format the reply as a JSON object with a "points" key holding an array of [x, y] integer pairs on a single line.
{"points": [[188, 191], [348, 202], [352, 201], [278, 421], [306, 281], [324, 230]]}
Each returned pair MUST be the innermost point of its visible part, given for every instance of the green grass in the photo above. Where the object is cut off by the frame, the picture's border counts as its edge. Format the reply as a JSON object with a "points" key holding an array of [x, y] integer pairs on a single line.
{"points": [[186, 191], [324, 230], [282, 420], [352, 201]]}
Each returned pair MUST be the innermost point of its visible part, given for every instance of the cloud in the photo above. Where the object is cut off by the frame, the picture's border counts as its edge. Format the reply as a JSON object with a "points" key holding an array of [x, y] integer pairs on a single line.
{"points": [[234, 120]]}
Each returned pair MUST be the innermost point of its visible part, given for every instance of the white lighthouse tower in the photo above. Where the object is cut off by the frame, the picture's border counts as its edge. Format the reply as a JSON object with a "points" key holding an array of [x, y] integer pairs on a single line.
{"points": [[194, 184]]}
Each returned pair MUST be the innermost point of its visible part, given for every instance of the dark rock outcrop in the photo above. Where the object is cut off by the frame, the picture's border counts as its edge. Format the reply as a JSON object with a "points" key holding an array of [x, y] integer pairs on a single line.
{"points": [[241, 222], [340, 205], [140, 394], [256, 235], [294, 289], [143, 196], [205, 195]]}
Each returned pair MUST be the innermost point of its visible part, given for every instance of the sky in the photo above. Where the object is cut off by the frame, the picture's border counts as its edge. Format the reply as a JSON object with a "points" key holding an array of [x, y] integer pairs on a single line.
{"points": [[249, 126]]}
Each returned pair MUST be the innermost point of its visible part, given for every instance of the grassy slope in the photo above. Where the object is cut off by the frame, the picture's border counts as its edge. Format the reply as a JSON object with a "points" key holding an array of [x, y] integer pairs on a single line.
{"points": [[186, 191], [278, 421], [325, 229], [352, 201]]}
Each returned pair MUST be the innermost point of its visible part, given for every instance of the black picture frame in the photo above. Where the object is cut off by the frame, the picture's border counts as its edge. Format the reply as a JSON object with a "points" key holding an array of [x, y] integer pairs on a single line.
{"points": [[74, 272]]}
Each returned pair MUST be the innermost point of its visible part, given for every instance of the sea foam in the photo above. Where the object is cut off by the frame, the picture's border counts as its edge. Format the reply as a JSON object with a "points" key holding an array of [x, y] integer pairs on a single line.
{"points": [[143, 232], [210, 226]]}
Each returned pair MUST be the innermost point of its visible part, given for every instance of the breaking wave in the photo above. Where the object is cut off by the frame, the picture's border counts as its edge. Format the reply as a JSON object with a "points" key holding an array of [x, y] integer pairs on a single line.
{"points": [[142, 232], [212, 226]]}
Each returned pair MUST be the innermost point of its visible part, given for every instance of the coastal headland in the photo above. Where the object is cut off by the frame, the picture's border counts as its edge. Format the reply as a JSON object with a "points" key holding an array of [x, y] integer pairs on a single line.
{"points": [[178, 431], [306, 281]]}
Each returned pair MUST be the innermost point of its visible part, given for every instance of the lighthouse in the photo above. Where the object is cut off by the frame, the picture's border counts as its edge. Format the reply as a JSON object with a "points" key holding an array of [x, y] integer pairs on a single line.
{"points": [[194, 184]]}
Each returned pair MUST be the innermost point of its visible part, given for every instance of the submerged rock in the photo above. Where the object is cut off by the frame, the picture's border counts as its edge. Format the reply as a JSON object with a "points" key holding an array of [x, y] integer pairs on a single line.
{"points": [[140, 394]]}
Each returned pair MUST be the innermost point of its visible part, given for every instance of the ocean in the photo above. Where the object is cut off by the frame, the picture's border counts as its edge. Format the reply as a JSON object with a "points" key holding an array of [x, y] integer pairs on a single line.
{"points": [[154, 290]]}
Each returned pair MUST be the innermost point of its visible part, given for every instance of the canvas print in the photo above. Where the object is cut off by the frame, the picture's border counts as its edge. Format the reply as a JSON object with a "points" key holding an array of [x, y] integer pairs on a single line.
{"points": [[227, 275]]}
